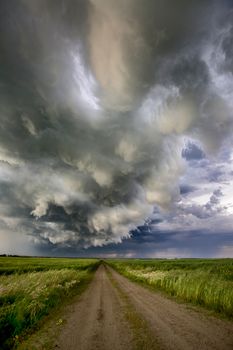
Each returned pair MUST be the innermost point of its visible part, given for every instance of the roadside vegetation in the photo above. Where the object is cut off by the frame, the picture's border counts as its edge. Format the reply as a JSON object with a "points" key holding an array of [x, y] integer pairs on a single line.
{"points": [[31, 287], [19, 265], [205, 282]]}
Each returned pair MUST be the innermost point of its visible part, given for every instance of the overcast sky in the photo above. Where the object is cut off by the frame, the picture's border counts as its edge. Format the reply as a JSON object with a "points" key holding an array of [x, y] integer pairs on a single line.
{"points": [[116, 122]]}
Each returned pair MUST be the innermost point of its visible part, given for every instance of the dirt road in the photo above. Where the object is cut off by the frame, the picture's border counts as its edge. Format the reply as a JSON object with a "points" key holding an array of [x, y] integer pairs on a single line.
{"points": [[116, 314]]}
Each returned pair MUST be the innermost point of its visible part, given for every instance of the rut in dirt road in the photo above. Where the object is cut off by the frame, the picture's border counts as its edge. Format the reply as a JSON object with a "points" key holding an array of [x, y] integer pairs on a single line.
{"points": [[176, 326], [97, 321], [104, 319]]}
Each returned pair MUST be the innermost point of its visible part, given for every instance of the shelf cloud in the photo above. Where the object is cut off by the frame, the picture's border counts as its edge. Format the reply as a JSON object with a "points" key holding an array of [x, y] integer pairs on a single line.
{"points": [[97, 101]]}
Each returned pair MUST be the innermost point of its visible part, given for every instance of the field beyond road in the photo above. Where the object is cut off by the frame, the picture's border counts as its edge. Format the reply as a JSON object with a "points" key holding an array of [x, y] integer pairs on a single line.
{"points": [[204, 282], [113, 312]]}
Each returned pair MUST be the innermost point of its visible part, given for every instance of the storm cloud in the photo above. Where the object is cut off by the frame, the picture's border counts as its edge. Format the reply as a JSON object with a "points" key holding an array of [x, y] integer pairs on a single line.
{"points": [[98, 102]]}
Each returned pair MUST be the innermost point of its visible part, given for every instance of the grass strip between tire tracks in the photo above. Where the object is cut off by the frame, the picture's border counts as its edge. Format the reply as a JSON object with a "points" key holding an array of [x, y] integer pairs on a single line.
{"points": [[142, 337]]}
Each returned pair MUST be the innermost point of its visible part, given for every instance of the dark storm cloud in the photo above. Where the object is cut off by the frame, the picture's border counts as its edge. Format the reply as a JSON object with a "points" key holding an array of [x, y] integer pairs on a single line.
{"points": [[192, 152], [191, 244], [184, 189], [95, 100]]}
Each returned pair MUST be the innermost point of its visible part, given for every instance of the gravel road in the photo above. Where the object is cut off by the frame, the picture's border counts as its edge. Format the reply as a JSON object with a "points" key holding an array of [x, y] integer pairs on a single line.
{"points": [[117, 314]]}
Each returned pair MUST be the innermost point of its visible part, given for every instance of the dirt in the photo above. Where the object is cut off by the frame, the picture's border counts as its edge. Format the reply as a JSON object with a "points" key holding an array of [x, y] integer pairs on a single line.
{"points": [[97, 321], [100, 320]]}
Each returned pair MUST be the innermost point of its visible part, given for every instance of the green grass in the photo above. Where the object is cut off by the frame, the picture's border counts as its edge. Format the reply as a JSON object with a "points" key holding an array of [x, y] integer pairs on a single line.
{"points": [[26, 297], [10, 265], [205, 282]]}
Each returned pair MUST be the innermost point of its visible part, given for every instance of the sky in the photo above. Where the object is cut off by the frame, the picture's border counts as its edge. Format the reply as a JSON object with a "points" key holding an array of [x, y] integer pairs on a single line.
{"points": [[116, 121]]}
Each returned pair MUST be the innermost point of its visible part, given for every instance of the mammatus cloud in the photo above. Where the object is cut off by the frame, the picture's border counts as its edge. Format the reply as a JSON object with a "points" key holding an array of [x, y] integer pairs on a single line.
{"points": [[97, 98]]}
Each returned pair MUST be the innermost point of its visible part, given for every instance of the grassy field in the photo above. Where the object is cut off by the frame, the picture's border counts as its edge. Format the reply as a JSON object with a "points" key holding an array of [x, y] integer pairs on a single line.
{"points": [[19, 265], [205, 282], [31, 287]]}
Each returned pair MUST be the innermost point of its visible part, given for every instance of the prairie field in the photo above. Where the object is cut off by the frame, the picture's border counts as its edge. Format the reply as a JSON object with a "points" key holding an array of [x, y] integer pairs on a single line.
{"points": [[205, 282], [31, 287], [135, 316]]}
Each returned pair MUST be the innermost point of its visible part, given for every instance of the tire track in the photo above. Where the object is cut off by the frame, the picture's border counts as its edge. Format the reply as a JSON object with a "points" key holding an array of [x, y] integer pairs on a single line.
{"points": [[174, 325], [117, 314], [97, 321]]}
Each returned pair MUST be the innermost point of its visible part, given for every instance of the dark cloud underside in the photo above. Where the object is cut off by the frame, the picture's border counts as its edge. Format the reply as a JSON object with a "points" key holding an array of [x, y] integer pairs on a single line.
{"points": [[97, 101]]}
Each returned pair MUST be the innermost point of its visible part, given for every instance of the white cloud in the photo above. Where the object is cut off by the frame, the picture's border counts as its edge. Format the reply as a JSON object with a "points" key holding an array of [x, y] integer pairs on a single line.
{"points": [[94, 117]]}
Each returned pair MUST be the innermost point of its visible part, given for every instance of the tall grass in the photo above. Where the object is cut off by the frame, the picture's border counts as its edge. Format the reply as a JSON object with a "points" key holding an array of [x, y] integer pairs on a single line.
{"points": [[26, 297], [10, 265], [207, 283]]}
